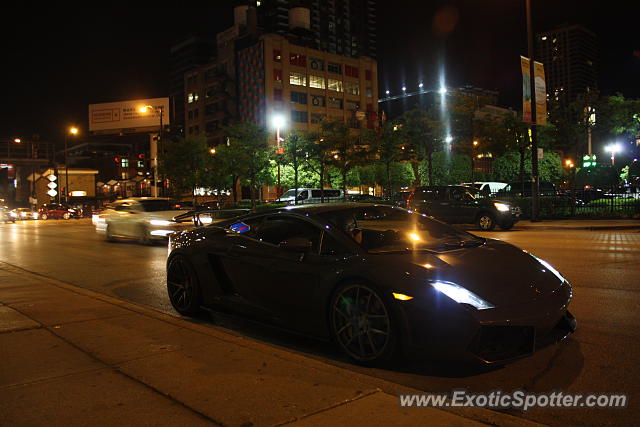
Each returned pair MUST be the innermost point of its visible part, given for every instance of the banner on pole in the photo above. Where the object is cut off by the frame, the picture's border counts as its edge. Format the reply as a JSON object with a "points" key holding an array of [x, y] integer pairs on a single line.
{"points": [[540, 91]]}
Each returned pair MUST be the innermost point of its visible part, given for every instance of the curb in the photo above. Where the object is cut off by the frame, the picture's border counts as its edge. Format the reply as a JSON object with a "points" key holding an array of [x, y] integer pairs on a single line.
{"points": [[379, 386]]}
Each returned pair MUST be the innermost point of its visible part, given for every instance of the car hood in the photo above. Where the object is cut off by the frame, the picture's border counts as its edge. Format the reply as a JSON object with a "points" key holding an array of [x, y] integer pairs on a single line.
{"points": [[496, 271]]}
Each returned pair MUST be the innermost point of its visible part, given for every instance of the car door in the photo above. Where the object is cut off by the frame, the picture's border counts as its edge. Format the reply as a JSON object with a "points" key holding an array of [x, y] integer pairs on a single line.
{"points": [[433, 201], [463, 206], [277, 282]]}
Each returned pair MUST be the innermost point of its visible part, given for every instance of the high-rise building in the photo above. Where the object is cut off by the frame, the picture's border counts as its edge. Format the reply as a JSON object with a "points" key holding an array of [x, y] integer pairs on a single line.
{"points": [[185, 56], [570, 58], [343, 27]]}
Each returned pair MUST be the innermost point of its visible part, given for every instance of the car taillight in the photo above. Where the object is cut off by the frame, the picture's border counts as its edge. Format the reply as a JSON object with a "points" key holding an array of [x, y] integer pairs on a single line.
{"points": [[408, 200]]}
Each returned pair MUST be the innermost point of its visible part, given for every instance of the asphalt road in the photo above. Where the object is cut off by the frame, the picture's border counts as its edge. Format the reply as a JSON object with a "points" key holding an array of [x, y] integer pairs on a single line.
{"points": [[602, 356]]}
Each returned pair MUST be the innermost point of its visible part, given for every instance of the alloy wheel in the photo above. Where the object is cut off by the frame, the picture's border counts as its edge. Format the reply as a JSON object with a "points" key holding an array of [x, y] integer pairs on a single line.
{"points": [[182, 287], [486, 222], [361, 323]]}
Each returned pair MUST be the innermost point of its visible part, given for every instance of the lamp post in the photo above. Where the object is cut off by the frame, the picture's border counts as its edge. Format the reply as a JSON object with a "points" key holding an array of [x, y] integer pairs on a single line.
{"points": [[474, 146], [278, 122], [613, 149], [72, 131], [535, 185], [153, 149]]}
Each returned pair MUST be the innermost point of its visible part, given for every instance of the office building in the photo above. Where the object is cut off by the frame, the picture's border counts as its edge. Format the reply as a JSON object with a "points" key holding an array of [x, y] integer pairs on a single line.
{"points": [[570, 58]]}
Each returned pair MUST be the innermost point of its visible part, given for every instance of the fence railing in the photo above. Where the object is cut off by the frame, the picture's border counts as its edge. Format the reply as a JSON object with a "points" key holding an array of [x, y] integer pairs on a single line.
{"points": [[580, 203]]}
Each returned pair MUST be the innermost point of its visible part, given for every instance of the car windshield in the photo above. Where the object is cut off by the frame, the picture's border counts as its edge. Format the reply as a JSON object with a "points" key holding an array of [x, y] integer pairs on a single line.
{"points": [[386, 229], [290, 193], [157, 205]]}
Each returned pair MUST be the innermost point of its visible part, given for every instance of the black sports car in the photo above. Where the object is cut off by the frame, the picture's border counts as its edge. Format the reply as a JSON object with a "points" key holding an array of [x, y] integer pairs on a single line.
{"points": [[373, 278]]}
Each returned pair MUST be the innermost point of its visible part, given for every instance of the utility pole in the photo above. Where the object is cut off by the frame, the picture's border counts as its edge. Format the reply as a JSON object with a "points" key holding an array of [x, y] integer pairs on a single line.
{"points": [[535, 183]]}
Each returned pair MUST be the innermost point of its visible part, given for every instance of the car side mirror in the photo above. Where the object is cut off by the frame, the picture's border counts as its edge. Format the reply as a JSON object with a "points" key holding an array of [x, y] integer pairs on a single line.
{"points": [[296, 244]]}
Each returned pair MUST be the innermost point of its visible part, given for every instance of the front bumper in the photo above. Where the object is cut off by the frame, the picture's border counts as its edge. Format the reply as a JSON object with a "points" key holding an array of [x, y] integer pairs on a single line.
{"points": [[493, 336]]}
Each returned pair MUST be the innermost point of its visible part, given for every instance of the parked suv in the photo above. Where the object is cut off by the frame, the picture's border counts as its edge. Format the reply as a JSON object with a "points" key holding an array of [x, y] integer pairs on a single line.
{"points": [[458, 204], [517, 189]]}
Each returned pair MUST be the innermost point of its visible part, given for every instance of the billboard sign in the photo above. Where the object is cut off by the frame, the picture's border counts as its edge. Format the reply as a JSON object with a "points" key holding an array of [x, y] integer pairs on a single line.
{"points": [[126, 116]]}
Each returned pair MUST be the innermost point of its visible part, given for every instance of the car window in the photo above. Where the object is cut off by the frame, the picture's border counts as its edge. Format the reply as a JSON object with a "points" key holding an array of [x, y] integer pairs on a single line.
{"points": [[461, 194], [430, 194], [276, 229], [157, 205], [386, 229], [331, 246]]}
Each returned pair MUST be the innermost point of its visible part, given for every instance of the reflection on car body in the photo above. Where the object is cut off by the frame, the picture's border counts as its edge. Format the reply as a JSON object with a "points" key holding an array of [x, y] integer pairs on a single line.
{"points": [[374, 279]]}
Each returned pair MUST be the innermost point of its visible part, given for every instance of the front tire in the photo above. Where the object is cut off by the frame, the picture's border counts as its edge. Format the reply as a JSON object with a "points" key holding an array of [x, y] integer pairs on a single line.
{"points": [[44, 217], [183, 286], [362, 324], [486, 222], [506, 226], [66, 215]]}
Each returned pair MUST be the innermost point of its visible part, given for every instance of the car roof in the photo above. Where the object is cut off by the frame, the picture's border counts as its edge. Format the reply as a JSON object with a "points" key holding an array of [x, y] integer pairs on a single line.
{"points": [[445, 186]]}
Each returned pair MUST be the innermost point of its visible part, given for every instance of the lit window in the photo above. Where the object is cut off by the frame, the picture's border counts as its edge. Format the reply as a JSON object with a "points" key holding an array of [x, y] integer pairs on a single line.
{"points": [[352, 88], [140, 164], [336, 85], [190, 98], [124, 163], [277, 75], [298, 79], [277, 55], [316, 82]]}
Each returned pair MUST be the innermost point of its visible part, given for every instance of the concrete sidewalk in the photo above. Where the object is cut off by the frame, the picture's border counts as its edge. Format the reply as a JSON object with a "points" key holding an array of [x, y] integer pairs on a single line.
{"points": [[75, 357], [579, 224]]}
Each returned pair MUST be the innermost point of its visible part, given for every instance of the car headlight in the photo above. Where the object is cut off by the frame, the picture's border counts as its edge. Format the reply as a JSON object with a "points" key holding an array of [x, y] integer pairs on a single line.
{"points": [[160, 222], [502, 207], [550, 268], [13, 215], [462, 295]]}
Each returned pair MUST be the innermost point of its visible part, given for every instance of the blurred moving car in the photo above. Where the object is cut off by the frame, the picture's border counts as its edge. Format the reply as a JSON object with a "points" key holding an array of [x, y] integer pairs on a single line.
{"points": [[375, 280], [145, 219], [25, 213], [457, 204], [7, 215], [58, 211], [311, 195]]}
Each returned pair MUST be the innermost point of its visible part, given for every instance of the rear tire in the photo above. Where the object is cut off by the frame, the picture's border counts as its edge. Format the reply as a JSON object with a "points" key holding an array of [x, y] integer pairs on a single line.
{"points": [[183, 287], [44, 216], [66, 215], [486, 222]]}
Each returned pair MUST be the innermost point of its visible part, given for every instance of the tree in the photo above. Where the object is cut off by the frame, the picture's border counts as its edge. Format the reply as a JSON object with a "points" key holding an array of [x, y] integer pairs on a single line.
{"points": [[420, 133], [345, 147], [295, 148], [188, 165], [385, 145], [246, 155], [451, 168]]}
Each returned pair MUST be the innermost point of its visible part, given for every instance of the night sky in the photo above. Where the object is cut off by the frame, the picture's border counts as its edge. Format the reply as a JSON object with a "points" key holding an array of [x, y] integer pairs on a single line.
{"points": [[58, 58]]}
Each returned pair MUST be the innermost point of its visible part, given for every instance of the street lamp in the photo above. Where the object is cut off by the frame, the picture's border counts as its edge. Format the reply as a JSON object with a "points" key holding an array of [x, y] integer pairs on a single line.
{"points": [[72, 131], [153, 149], [613, 149], [278, 122]]}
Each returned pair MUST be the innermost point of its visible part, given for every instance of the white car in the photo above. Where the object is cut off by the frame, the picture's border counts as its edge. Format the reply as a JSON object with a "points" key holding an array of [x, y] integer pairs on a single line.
{"points": [[145, 219], [311, 195]]}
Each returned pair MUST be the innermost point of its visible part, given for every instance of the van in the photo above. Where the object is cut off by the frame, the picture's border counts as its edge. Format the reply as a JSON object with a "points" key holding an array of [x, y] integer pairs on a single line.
{"points": [[487, 187], [311, 195], [546, 188]]}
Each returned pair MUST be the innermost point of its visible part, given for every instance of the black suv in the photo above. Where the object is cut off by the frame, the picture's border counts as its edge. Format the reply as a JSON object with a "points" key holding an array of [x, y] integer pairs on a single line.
{"points": [[457, 204]]}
